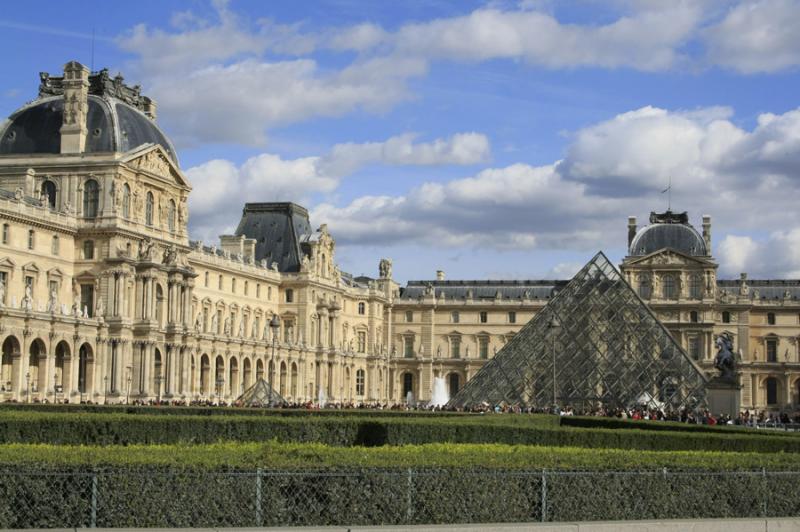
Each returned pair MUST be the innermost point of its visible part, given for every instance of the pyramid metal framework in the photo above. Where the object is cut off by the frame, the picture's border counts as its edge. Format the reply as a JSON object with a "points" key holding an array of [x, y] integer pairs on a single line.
{"points": [[259, 394], [607, 347]]}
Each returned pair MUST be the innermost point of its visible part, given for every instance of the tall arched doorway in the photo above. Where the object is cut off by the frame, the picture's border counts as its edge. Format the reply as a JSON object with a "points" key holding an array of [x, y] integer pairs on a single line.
{"points": [[85, 367], [158, 373], [233, 377], [294, 380], [408, 384], [37, 362], [454, 384], [247, 370], [205, 374], [62, 364], [11, 349], [283, 380], [219, 376]]}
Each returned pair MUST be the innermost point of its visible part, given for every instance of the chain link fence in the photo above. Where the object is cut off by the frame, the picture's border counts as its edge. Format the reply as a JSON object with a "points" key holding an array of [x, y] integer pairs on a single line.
{"points": [[175, 498]]}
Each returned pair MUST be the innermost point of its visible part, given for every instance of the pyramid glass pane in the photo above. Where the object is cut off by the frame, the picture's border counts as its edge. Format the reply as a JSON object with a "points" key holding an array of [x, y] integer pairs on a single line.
{"points": [[607, 347], [260, 394]]}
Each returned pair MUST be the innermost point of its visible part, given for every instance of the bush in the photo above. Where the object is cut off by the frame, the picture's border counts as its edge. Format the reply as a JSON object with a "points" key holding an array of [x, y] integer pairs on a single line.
{"points": [[113, 429], [672, 426]]}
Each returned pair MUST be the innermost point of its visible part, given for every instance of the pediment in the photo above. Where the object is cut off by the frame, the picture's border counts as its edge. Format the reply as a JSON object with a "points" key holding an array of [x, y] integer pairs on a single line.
{"points": [[55, 272], [669, 257], [31, 267], [7, 263], [153, 159]]}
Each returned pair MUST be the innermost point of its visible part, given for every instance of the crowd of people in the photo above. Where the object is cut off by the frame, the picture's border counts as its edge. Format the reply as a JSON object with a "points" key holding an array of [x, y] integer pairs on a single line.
{"points": [[745, 418]]}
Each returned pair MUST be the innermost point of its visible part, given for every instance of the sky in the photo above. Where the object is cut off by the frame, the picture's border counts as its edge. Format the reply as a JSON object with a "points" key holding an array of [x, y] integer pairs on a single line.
{"points": [[500, 139]]}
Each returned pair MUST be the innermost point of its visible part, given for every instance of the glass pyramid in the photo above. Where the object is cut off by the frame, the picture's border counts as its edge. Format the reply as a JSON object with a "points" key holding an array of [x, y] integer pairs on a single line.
{"points": [[259, 394], [594, 344]]}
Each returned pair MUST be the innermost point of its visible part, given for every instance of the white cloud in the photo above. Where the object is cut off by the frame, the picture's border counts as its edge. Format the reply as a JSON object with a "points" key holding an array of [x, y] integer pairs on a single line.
{"points": [[747, 181], [757, 36], [778, 255], [646, 40], [460, 149], [221, 188]]}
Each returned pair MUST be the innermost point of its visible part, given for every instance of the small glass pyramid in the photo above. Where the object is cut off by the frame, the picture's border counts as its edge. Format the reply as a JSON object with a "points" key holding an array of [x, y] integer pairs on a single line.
{"points": [[594, 344], [259, 394]]}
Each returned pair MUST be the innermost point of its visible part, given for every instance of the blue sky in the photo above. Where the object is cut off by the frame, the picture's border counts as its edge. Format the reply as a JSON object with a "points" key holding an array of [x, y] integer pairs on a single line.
{"points": [[488, 139]]}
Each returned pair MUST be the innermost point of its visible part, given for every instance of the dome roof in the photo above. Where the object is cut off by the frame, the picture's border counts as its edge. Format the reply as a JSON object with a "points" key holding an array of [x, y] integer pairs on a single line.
{"points": [[678, 236], [112, 125]]}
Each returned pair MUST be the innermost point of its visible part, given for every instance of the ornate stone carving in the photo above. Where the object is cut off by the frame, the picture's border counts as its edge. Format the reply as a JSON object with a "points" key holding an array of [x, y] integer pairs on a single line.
{"points": [[154, 162], [385, 268]]}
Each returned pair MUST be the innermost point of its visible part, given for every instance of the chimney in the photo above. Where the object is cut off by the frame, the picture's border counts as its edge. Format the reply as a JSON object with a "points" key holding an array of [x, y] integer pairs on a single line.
{"points": [[76, 102], [233, 244], [631, 229], [440, 275], [149, 107], [707, 232]]}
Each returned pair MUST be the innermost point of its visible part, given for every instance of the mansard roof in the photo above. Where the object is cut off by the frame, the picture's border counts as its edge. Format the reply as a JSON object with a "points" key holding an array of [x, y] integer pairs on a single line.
{"points": [[279, 229], [484, 289]]}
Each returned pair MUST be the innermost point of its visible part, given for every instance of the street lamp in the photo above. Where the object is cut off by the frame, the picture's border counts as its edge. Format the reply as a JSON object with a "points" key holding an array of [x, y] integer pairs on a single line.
{"points": [[129, 379], [220, 381], [275, 325], [158, 387], [554, 326]]}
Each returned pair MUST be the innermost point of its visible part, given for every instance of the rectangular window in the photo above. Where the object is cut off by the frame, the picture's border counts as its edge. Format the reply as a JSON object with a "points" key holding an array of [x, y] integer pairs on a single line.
{"points": [[219, 283], [55, 246], [772, 350], [694, 347], [289, 295], [483, 347], [233, 286], [409, 316], [258, 290], [454, 317], [29, 282], [360, 382], [206, 279], [269, 293], [726, 317], [87, 299], [512, 317], [53, 287], [408, 347], [6, 233], [484, 317], [455, 347], [88, 249], [31, 239], [288, 331]]}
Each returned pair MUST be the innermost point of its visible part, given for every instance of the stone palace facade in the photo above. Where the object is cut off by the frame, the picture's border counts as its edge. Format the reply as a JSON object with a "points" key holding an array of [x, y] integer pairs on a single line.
{"points": [[104, 298]]}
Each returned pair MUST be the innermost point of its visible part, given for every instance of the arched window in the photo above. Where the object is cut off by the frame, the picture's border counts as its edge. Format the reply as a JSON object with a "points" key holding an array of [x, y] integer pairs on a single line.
{"points": [[171, 216], [771, 384], [54, 249], [148, 210], [88, 249], [126, 201], [695, 287], [49, 192], [91, 198], [644, 287], [669, 289]]}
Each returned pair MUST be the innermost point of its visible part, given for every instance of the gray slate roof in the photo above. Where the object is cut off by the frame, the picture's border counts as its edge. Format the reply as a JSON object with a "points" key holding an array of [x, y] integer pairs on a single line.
{"points": [[113, 126], [279, 230]]}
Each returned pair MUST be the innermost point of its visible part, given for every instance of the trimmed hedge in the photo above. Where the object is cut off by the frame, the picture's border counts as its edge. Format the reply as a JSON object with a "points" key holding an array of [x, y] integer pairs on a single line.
{"points": [[300, 456], [121, 429], [671, 426]]}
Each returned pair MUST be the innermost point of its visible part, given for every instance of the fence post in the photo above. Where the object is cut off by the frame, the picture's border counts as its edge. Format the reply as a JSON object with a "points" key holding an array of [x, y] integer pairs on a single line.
{"points": [[544, 495], [409, 500], [765, 490], [93, 518], [258, 497]]}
